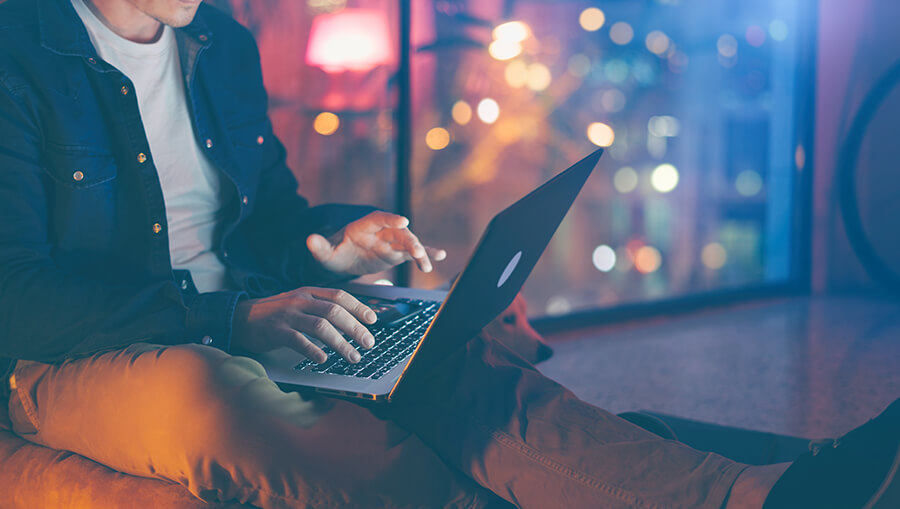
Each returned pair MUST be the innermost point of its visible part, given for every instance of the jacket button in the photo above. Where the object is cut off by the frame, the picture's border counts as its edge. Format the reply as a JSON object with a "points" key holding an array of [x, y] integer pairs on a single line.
{"points": [[124, 90], [206, 340], [203, 37], [184, 284], [209, 143], [245, 200], [157, 227], [92, 60], [260, 140], [142, 158], [78, 176]]}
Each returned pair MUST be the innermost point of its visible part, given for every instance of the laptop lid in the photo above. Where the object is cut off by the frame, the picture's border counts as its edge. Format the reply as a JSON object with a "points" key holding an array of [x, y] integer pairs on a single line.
{"points": [[507, 252]]}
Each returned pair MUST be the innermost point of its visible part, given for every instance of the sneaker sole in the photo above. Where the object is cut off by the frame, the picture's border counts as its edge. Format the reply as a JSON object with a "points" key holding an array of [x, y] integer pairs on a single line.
{"points": [[888, 494]]}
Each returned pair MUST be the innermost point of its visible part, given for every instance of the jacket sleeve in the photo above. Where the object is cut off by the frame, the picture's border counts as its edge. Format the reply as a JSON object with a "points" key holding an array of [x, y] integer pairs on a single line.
{"points": [[282, 219], [48, 313]]}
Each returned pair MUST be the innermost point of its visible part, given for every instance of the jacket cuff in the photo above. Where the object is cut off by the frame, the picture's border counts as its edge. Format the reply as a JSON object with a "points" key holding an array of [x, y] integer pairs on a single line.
{"points": [[210, 316]]}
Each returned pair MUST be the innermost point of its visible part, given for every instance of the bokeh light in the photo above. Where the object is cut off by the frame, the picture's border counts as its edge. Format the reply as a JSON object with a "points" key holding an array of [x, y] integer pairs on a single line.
{"points": [[616, 70], [625, 180], [461, 112], [503, 49], [664, 126], [613, 100], [512, 31], [800, 157], [657, 42], [326, 123], [621, 33], [591, 19], [516, 74], [748, 183], [755, 35], [647, 259], [488, 110], [539, 77], [623, 259], [664, 178], [601, 134], [437, 138], [558, 305], [778, 30], [579, 65], [604, 258], [727, 45], [713, 256]]}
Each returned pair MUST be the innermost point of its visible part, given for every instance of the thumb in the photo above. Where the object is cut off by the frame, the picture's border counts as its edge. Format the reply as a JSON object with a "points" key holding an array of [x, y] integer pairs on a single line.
{"points": [[319, 246]]}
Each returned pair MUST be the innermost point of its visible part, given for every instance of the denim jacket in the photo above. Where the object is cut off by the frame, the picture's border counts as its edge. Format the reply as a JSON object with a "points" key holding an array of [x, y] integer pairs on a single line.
{"points": [[84, 253]]}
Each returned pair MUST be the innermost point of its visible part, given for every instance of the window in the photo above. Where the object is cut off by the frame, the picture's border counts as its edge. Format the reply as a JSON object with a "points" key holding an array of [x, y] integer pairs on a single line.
{"points": [[701, 105]]}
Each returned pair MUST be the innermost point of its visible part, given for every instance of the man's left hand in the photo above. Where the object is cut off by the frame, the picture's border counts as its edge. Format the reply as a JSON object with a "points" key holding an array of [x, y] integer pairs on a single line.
{"points": [[372, 244]]}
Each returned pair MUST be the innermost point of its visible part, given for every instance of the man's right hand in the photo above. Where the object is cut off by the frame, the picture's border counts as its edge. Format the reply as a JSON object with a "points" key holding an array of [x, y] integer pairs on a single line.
{"points": [[321, 313]]}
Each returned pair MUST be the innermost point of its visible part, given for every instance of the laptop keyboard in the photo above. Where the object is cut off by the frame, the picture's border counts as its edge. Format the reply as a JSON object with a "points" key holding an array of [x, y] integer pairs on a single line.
{"points": [[392, 346]]}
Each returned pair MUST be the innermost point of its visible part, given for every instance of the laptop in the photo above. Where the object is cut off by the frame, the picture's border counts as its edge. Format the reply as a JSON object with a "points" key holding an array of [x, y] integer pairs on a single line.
{"points": [[418, 328]]}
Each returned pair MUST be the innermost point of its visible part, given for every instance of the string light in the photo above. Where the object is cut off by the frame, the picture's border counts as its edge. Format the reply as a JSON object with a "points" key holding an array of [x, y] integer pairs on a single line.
{"points": [[326, 123], [437, 138], [488, 110], [461, 112], [601, 134], [664, 178], [592, 19]]}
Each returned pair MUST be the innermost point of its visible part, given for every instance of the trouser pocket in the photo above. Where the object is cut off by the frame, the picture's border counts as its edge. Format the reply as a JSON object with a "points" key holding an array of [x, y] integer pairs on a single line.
{"points": [[23, 412]]}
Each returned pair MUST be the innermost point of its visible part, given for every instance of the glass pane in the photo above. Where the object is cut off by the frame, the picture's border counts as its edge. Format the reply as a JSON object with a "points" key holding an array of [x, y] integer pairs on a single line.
{"points": [[328, 66], [694, 99]]}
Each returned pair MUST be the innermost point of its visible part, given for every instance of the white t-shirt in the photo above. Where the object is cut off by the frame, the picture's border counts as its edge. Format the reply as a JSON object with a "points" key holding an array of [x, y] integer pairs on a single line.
{"points": [[191, 186]]}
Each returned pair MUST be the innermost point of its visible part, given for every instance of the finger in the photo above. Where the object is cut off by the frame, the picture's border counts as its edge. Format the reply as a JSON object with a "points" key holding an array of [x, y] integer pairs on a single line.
{"points": [[436, 254], [343, 321], [321, 329], [300, 343], [379, 220], [349, 302], [415, 249], [319, 246]]}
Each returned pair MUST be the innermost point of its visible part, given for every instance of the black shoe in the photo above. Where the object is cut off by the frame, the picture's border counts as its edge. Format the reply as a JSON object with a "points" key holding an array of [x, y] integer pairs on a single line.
{"points": [[856, 471]]}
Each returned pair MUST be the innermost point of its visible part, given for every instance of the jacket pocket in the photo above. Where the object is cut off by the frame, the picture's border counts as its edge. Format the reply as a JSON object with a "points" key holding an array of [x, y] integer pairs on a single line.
{"points": [[77, 167]]}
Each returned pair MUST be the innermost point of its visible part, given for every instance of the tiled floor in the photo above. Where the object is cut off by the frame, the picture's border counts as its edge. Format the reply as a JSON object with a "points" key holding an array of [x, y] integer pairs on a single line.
{"points": [[801, 366]]}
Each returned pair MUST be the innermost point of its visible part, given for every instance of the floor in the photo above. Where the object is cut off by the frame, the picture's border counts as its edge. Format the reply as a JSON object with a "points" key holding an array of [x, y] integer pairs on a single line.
{"points": [[801, 366]]}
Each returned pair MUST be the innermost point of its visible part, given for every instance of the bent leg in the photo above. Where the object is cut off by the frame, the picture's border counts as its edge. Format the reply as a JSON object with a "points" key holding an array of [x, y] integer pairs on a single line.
{"points": [[531, 441], [217, 425]]}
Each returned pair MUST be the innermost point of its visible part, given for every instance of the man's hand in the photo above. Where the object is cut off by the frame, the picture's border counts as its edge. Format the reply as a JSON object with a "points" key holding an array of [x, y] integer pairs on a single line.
{"points": [[322, 313], [372, 244]]}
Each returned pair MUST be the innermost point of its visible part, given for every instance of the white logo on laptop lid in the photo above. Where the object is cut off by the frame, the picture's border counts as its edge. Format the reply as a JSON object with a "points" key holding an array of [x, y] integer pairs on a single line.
{"points": [[510, 267]]}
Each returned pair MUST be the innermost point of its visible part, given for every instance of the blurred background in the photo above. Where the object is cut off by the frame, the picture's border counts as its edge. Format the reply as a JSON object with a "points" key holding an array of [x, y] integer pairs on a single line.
{"points": [[706, 110]]}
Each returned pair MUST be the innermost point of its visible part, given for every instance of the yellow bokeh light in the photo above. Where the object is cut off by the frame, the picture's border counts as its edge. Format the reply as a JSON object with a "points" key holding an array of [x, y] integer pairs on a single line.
{"points": [[437, 138], [488, 110], [591, 19], [512, 31], [516, 74], [326, 123], [601, 134], [461, 112], [647, 259], [503, 49], [509, 131], [539, 77], [664, 178], [714, 256], [657, 42], [621, 33]]}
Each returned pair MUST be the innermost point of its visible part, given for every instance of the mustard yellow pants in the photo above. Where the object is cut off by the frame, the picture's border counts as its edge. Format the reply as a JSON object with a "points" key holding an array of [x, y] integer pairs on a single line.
{"points": [[498, 433]]}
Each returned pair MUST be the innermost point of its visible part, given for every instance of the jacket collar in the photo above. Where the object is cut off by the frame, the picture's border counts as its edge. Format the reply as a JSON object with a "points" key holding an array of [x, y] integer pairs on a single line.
{"points": [[62, 31]]}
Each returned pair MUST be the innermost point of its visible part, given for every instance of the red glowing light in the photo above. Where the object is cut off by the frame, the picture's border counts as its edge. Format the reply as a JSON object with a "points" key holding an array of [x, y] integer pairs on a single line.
{"points": [[349, 40]]}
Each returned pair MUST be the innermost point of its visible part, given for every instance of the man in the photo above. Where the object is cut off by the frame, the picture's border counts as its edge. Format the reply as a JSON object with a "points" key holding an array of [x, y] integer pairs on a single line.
{"points": [[150, 227]]}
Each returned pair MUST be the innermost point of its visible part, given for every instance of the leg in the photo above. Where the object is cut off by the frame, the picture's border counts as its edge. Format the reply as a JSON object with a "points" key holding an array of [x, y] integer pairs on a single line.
{"points": [[215, 424], [531, 441]]}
